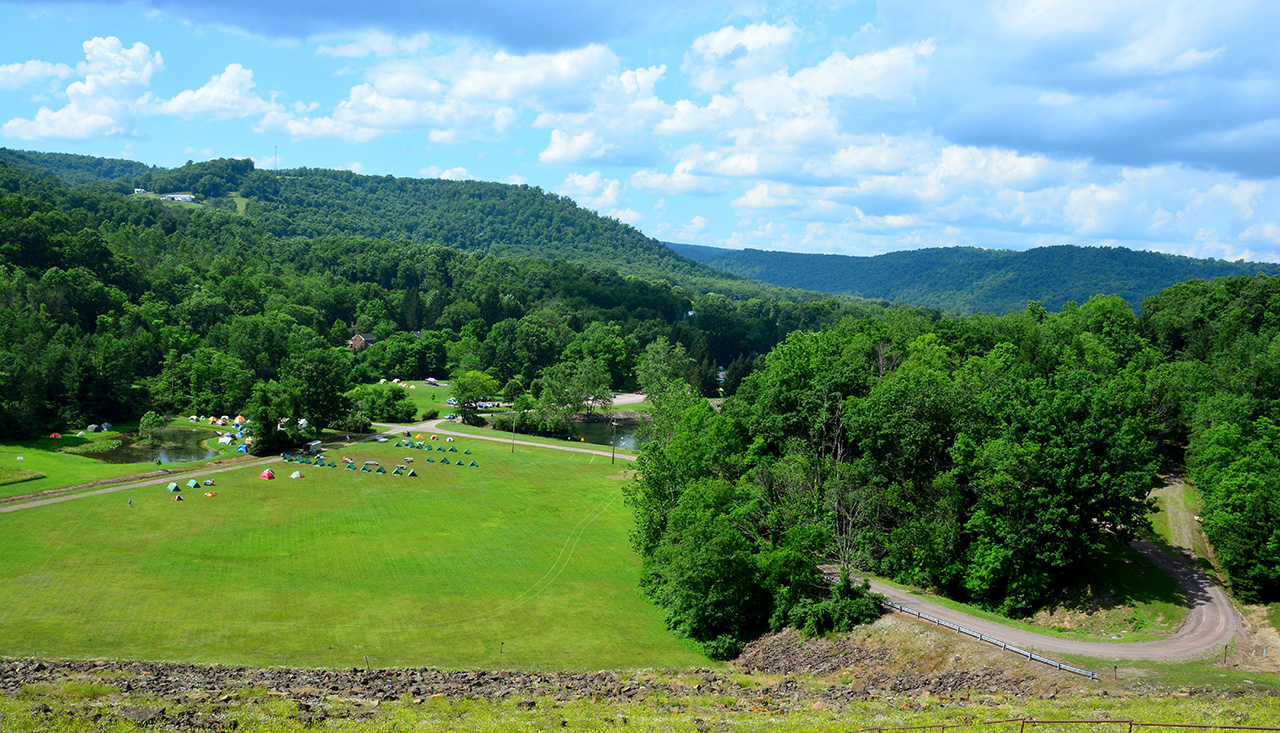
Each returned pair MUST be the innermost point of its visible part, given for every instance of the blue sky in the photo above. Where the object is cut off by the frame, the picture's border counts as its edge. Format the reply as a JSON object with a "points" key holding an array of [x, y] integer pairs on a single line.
{"points": [[854, 127]]}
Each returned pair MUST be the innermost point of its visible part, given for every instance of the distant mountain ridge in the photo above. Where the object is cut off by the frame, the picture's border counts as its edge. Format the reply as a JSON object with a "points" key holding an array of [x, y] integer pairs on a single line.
{"points": [[502, 219], [974, 280]]}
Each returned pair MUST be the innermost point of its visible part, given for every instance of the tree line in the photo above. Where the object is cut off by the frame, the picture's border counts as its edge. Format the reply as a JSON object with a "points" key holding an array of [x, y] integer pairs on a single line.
{"points": [[984, 457], [114, 304]]}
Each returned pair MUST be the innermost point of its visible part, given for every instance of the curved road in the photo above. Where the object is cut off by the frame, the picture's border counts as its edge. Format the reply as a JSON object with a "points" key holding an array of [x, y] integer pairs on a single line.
{"points": [[1210, 624]]}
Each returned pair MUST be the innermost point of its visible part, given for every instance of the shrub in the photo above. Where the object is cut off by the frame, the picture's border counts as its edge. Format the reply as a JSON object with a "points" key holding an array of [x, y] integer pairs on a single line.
{"points": [[356, 422], [849, 606], [722, 648]]}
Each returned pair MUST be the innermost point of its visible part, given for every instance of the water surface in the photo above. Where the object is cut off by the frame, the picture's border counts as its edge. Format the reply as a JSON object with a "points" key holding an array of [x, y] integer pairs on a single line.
{"points": [[177, 445]]}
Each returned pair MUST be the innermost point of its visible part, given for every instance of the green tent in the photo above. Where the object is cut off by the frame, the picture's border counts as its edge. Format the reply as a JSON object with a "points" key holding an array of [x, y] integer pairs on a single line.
{"points": [[397, 472], [452, 449], [307, 461], [172, 487], [380, 470], [287, 459], [430, 459], [332, 464], [365, 469], [440, 448], [444, 461], [473, 464], [458, 464], [192, 484], [351, 466], [412, 473], [467, 452]]}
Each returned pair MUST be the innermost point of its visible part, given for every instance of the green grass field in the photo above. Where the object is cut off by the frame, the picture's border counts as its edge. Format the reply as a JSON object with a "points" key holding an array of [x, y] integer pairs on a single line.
{"points": [[520, 563], [61, 470], [459, 427], [429, 397]]}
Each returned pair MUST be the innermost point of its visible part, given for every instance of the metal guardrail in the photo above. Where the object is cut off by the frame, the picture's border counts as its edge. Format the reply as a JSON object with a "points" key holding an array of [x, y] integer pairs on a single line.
{"points": [[1024, 722], [1032, 656]]}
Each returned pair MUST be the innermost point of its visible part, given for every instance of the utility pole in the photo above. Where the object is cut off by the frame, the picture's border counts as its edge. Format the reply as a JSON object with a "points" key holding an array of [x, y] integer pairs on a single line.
{"points": [[613, 444]]}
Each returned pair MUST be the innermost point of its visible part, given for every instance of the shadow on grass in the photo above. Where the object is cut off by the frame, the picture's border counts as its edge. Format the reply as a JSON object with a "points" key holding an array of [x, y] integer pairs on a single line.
{"points": [[1130, 579], [1118, 577]]}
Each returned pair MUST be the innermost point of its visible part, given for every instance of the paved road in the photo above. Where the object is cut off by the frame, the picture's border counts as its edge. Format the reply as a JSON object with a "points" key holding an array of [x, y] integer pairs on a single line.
{"points": [[1210, 624], [434, 426], [627, 399]]}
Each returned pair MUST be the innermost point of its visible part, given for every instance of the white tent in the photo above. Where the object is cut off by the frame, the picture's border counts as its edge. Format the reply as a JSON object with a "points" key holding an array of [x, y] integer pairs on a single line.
{"points": [[296, 474], [224, 440]]}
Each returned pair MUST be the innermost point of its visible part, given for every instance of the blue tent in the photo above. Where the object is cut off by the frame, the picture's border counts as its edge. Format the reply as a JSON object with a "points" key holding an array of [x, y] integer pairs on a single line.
{"points": [[242, 449]]}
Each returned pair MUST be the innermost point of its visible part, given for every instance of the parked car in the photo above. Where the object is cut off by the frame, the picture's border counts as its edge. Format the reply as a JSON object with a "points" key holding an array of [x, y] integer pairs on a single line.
{"points": [[451, 416]]}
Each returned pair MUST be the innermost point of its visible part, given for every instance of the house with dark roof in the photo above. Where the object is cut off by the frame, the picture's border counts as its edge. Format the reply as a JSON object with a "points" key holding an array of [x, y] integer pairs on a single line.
{"points": [[362, 341]]}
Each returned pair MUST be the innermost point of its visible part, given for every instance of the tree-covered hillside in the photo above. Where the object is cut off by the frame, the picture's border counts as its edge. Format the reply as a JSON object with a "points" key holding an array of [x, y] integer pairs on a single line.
{"points": [[112, 304], [989, 458], [972, 280], [501, 219]]}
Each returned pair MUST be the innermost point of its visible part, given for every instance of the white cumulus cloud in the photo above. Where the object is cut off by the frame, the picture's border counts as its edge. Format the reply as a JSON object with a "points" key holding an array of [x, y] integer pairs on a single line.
{"points": [[103, 102], [227, 95], [573, 148], [16, 76], [592, 190]]}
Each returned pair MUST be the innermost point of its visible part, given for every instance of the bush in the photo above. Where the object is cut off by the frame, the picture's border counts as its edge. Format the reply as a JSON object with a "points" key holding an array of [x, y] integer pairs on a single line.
{"points": [[356, 422], [430, 414], [722, 648], [849, 606]]}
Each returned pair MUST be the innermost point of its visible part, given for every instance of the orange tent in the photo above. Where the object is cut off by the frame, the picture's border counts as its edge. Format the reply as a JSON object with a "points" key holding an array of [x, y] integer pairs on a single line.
{"points": [[55, 435]]}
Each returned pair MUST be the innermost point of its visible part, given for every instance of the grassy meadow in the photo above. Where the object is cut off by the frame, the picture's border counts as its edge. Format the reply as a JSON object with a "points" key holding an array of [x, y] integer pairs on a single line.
{"points": [[520, 563], [459, 427], [62, 469]]}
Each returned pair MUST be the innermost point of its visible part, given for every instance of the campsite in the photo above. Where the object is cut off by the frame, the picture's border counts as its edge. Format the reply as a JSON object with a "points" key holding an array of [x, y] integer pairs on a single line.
{"points": [[74, 460], [457, 566]]}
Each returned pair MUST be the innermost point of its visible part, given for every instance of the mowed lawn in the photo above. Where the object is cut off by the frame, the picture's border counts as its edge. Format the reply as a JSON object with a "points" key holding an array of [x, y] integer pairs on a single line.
{"points": [[60, 469], [522, 562]]}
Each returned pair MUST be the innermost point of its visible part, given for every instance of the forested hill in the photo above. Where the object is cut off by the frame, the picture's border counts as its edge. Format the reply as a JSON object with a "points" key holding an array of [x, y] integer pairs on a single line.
{"points": [[501, 219], [973, 280]]}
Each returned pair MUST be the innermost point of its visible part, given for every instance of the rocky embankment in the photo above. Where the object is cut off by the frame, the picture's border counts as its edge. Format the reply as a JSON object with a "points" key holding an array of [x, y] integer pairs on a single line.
{"points": [[320, 694]]}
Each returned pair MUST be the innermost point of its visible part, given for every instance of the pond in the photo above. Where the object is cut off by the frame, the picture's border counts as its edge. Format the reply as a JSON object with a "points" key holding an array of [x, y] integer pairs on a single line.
{"points": [[177, 445], [601, 433]]}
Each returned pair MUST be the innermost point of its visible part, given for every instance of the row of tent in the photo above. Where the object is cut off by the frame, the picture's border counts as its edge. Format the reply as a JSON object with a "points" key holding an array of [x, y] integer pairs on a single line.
{"points": [[420, 445], [365, 469]]}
